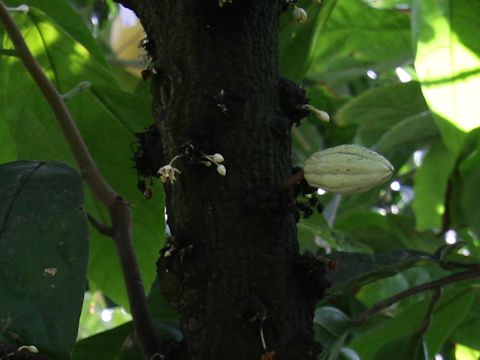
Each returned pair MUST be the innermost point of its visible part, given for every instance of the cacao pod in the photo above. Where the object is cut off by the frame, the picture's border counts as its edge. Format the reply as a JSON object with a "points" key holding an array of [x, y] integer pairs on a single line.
{"points": [[347, 169]]}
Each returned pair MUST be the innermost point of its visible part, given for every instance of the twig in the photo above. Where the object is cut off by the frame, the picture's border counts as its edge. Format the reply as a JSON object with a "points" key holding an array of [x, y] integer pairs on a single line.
{"points": [[101, 228], [436, 284], [119, 210], [143, 325], [422, 329]]}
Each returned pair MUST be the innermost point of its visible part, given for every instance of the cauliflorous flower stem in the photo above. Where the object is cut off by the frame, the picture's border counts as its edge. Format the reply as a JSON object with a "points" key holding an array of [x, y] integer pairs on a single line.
{"points": [[293, 180]]}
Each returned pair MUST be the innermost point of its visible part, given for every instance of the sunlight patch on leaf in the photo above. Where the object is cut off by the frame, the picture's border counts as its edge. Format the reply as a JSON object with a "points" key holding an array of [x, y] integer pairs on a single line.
{"points": [[448, 65]]}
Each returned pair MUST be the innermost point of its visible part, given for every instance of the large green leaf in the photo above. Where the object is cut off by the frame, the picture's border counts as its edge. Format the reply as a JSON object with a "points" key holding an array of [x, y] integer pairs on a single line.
{"points": [[298, 41], [386, 112], [43, 257], [467, 333], [409, 132], [378, 232], [448, 63], [357, 269], [411, 347], [358, 36], [448, 315], [431, 181], [330, 324], [107, 118]]}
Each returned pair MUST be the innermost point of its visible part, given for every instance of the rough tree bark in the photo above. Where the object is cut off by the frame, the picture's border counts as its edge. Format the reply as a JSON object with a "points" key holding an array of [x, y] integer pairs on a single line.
{"points": [[232, 268]]}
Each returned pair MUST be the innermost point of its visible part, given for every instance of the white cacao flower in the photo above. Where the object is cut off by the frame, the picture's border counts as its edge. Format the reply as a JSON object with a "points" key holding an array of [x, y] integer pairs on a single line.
{"points": [[299, 14], [217, 158], [347, 169], [222, 170], [29, 348]]}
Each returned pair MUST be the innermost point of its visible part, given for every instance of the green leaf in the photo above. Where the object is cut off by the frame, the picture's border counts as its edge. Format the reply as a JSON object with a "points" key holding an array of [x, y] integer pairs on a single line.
{"points": [[107, 119], [330, 324], [357, 269], [311, 228], [467, 333], [105, 345], [385, 112], [358, 36], [333, 351], [377, 232], [411, 131], [43, 257], [455, 301], [411, 347], [431, 181], [469, 195], [448, 315], [387, 4], [69, 21], [298, 41], [448, 64], [119, 343]]}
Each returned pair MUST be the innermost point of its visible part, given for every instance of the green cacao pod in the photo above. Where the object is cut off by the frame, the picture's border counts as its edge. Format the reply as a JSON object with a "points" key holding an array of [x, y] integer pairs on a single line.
{"points": [[347, 169]]}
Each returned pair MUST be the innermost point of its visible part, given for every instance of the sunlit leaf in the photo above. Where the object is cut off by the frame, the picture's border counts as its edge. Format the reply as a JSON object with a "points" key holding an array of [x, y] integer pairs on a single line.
{"points": [[358, 36], [448, 63], [465, 353], [69, 21]]}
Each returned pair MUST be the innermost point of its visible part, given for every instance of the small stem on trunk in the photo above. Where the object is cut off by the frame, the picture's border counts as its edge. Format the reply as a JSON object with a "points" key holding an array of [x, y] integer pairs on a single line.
{"points": [[293, 180]]}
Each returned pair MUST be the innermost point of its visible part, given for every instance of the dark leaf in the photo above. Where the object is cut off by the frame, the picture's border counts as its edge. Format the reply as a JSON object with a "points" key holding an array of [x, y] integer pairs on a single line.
{"points": [[43, 255]]}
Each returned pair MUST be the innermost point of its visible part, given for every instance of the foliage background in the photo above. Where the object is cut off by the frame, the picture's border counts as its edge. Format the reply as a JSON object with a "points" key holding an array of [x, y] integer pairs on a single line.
{"points": [[401, 77]]}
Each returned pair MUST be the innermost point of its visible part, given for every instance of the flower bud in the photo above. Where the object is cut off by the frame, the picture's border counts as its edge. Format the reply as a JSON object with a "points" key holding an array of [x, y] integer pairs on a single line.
{"points": [[218, 158], [222, 170], [29, 348], [347, 169], [299, 14]]}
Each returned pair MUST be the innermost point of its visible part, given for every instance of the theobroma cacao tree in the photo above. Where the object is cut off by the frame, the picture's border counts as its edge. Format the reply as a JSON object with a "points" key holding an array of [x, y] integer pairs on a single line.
{"points": [[231, 267]]}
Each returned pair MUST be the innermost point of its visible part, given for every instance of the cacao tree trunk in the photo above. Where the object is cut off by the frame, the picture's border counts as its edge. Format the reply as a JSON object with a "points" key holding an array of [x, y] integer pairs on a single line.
{"points": [[231, 268]]}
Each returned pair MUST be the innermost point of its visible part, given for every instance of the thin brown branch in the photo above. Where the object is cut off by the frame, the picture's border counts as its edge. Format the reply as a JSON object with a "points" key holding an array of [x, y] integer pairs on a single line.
{"points": [[119, 210], [427, 321], [101, 228], [143, 325], [436, 284]]}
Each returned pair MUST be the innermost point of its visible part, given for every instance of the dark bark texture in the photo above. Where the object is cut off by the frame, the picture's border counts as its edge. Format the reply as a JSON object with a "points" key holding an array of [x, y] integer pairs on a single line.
{"points": [[231, 268]]}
